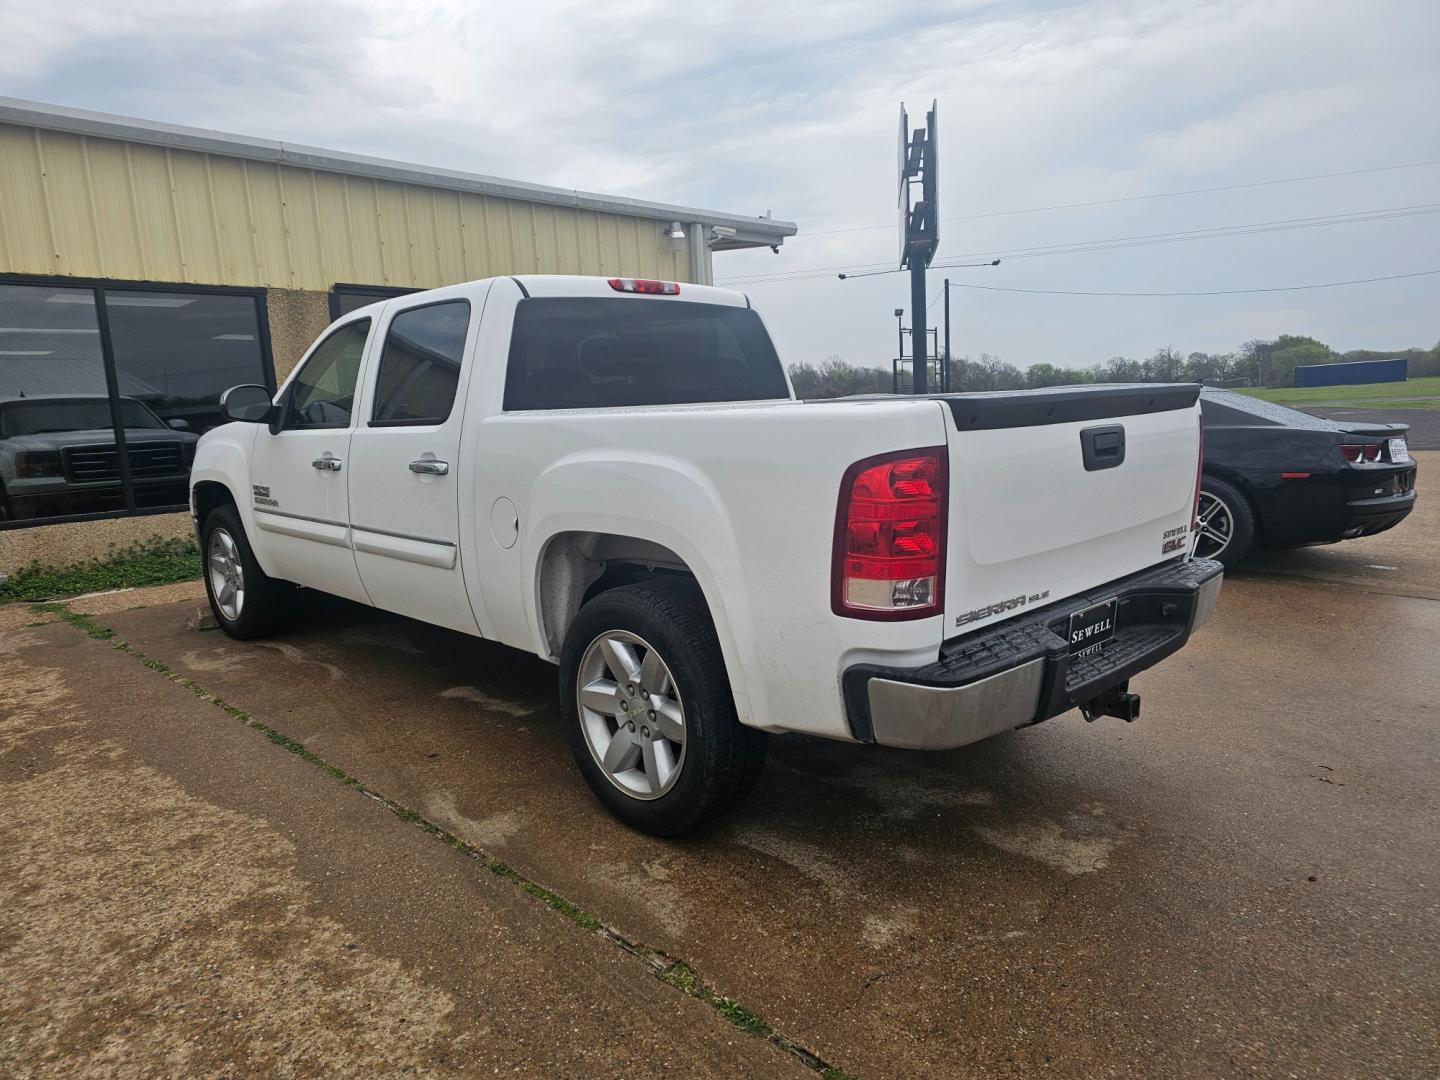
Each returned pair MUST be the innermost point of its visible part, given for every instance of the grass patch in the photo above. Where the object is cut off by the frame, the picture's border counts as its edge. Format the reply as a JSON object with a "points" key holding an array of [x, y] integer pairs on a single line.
{"points": [[1375, 394], [154, 562]]}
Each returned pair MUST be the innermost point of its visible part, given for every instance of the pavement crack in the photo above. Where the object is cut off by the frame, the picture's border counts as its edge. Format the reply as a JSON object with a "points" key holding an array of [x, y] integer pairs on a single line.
{"points": [[669, 970]]}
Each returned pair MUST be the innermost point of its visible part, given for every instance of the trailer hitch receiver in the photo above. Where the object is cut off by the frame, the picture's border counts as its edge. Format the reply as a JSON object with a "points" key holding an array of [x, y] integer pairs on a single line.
{"points": [[1117, 702]]}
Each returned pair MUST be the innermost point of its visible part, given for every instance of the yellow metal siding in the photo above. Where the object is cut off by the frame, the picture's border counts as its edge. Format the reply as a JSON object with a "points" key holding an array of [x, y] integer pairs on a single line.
{"points": [[91, 207]]}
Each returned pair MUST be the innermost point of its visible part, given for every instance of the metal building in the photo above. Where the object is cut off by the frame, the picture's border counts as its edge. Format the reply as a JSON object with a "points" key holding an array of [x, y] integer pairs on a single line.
{"points": [[144, 267]]}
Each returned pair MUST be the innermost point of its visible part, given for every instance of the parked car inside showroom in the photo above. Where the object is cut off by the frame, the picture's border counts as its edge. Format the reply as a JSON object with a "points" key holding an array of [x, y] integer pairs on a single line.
{"points": [[1278, 477]]}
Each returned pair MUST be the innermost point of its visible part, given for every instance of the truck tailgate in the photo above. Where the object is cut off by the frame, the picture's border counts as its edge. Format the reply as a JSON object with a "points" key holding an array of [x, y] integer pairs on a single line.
{"points": [[1053, 492]]}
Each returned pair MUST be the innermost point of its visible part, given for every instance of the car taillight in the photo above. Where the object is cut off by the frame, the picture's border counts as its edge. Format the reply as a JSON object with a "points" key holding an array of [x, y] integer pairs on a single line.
{"points": [[889, 559], [1361, 451], [38, 463], [645, 285]]}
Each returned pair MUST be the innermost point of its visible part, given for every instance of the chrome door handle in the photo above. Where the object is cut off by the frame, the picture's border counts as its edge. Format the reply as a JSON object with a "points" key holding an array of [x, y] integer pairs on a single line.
{"points": [[327, 464], [430, 467]]}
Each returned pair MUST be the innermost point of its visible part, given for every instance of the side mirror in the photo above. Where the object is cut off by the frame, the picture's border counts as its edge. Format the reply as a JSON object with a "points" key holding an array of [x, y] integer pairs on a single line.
{"points": [[178, 424], [248, 404]]}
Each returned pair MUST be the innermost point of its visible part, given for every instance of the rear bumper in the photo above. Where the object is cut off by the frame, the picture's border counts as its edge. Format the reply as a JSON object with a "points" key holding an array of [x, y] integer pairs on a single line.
{"points": [[1340, 503], [1366, 517], [1021, 671]]}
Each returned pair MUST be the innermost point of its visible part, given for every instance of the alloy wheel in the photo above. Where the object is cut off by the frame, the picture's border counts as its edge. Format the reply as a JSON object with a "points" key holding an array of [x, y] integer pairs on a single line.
{"points": [[227, 575], [631, 714], [1216, 524]]}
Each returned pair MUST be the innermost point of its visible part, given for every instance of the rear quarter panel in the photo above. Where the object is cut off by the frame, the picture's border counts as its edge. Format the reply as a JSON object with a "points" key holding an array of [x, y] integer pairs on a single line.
{"points": [[1254, 457], [746, 495]]}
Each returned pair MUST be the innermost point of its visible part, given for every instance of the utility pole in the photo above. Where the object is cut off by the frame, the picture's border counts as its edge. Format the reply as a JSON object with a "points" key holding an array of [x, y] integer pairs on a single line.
{"points": [[945, 371], [920, 362], [900, 350], [919, 228]]}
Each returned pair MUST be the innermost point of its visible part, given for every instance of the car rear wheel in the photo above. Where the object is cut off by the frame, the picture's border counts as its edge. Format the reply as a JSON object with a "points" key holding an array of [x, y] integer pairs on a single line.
{"points": [[1226, 522], [649, 711], [246, 602]]}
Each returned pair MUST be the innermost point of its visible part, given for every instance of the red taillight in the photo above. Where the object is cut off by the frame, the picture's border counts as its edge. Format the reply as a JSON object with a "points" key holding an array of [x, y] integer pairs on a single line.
{"points": [[645, 285], [1361, 451], [889, 560]]}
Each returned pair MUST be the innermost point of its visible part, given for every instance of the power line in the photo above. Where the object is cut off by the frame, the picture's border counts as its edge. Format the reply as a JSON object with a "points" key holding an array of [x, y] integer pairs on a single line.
{"points": [[1141, 198], [1140, 240], [1185, 235], [1120, 242], [1211, 292], [933, 266]]}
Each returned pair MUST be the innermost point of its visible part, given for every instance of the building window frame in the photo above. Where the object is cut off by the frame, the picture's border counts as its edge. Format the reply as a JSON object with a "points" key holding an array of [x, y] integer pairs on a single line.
{"points": [[97, 288], [375, 292]]}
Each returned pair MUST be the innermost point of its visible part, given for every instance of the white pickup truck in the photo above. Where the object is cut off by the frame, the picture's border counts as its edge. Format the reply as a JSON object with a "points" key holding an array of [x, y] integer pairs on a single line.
{"points": [[615, 475]]}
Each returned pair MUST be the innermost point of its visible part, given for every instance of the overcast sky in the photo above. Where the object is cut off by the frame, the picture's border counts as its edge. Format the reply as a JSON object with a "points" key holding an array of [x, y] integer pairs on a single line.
{"points": [[791, 108]]}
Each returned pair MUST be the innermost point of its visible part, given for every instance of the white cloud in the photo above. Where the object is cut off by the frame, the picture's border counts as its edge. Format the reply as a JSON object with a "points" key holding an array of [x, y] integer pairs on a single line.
{"points": [[752, 106]]}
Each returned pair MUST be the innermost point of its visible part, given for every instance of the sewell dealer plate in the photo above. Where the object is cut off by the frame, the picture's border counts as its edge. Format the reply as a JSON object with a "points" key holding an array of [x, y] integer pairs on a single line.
{"points": [[1092, 628]]}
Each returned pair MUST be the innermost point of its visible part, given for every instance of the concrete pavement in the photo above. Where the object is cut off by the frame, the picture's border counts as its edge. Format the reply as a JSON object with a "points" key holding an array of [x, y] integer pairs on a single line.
{"points": [[182, 896], [1244, 881]]}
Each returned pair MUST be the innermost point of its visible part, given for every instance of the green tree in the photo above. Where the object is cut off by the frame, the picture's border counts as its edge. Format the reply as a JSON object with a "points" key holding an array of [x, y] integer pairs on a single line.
{"points": [[1203, 367], [1038, 375], [986, 373], [1278, 359], [1121, 369], [1167, 365], [836, 378]]}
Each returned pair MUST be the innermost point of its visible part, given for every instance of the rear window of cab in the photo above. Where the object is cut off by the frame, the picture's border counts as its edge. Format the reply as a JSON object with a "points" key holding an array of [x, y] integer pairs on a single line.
{"points": [[606, 352]]}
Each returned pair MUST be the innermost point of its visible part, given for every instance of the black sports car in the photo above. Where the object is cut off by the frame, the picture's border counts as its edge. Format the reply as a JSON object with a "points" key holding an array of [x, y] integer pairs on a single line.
{"points": [[1282, 478]]}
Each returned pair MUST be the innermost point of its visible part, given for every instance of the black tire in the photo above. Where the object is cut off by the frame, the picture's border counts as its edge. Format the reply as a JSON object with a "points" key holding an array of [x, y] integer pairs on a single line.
{"points": [[722, 757], [267, 601], [1242, 518]]}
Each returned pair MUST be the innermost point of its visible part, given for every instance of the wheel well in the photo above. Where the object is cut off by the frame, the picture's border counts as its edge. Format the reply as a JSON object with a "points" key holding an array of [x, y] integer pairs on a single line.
{"points": [[579, 565], [1243, 488], [208, 496]]}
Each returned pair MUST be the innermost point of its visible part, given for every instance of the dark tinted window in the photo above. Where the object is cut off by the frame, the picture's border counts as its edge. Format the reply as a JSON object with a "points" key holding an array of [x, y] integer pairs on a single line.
{"points": [[54, 407], [347, 298], [178, 352], [599, 351], [323, 393], [420, 366], [173, 351]]}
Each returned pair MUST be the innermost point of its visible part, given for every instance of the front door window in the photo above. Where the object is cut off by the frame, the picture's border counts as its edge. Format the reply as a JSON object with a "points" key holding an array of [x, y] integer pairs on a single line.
{"points": [[322, 395]]}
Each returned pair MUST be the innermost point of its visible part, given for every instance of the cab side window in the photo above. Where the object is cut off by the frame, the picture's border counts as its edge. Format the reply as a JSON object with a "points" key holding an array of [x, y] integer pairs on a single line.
{"points": [[420, 365], [323, 393]]}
